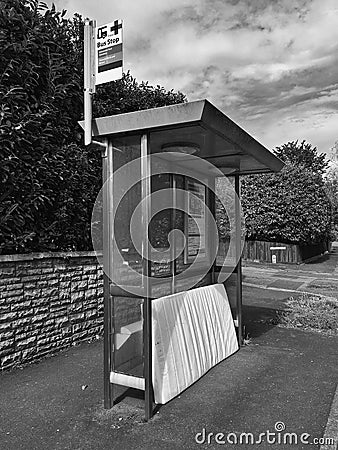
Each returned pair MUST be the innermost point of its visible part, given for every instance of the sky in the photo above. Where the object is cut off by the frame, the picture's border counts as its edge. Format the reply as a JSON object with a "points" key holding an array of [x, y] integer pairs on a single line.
{"points": [[270, 65]]}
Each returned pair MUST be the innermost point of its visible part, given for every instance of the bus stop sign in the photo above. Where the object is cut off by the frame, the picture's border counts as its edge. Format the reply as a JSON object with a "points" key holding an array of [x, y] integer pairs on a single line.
{"points": [[108, 52]]}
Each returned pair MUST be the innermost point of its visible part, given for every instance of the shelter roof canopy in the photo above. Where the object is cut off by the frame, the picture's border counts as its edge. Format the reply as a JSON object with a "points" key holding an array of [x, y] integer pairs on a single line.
{"points": [[220, 140]]}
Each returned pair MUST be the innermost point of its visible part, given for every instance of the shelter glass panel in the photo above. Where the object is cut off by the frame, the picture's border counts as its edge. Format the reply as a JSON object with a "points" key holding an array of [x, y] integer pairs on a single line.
{"points": [[127, 320], [225, 220]]}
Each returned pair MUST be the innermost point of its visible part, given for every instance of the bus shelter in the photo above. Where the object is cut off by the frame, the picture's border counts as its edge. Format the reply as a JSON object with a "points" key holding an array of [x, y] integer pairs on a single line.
{"points": [[164, 170]]}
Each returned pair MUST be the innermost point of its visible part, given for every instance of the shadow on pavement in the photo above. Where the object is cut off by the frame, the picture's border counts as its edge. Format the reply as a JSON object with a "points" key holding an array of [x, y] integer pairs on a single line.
{"points": [[258, 320], [260, 309]]}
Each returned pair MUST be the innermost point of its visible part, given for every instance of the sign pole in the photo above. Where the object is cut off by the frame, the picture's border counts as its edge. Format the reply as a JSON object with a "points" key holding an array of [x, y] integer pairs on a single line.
{"points": [[89, 77], [103, 61]]}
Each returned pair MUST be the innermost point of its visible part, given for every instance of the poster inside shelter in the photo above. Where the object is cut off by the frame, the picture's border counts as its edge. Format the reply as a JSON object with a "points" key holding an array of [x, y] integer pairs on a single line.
{"points": [[195, 228]]}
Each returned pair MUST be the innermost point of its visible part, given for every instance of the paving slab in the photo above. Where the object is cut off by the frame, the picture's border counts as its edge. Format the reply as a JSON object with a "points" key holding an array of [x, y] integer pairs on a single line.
{"points": [[286, 284]]}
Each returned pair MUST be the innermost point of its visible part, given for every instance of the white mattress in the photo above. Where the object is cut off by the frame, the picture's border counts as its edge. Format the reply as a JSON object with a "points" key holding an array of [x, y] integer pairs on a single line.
{"points": [[192, 331]]}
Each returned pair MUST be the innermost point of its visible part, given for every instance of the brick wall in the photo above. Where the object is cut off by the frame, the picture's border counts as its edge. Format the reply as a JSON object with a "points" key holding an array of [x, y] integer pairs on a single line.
{"points": [[48, 302]]}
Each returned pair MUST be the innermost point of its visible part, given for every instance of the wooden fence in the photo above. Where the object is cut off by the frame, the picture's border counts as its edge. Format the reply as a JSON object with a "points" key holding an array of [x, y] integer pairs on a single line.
{"points": [[279, 252]]}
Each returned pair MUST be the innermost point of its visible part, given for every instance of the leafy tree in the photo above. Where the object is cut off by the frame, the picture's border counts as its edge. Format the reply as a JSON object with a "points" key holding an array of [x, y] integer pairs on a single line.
{"points": [[333, 154], [303, 155], [290, 206], [331, 188], [48, 179]]}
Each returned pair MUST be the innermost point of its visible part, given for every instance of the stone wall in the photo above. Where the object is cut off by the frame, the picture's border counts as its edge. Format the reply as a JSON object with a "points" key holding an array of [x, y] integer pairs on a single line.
{"points": [[48, 302]]}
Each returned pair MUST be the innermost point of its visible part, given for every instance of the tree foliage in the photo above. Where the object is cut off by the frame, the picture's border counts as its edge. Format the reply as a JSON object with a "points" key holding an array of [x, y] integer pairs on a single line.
{"points": [[48, 179], [331, 188], [333, 153], [127, 95], [40, 81], [291, 206], [303, 155]]}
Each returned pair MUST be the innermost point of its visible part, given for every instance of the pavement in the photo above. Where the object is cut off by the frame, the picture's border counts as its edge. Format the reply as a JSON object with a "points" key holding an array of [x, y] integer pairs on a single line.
{"points": [[282, 381], [318, 276]]}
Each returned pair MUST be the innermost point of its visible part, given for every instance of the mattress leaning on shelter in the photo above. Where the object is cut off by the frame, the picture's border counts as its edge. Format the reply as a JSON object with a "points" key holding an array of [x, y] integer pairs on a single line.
{"points": [[192, 332]]}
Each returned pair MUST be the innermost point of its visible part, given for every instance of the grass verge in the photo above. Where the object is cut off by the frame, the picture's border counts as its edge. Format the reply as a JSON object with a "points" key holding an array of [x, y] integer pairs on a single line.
{"points": [[312, 313]]}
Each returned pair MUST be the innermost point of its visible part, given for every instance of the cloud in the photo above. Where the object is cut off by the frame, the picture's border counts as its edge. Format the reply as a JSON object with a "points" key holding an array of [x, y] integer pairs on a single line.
{"points": [[272, 66]]}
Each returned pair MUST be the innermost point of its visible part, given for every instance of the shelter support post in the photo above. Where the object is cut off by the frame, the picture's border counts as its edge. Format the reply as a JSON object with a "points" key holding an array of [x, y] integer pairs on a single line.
{"points": [[238, 259], [108, 360], [212, 244], [173, 225], [147, 320]]}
